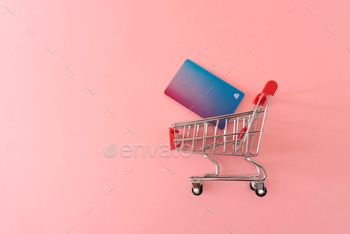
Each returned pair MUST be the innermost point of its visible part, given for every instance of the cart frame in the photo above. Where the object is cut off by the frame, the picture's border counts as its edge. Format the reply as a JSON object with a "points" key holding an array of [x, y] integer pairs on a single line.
{"points": [[240, 137]]}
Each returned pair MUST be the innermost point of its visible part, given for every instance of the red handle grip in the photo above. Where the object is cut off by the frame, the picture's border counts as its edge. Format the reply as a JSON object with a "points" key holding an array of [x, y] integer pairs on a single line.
{"points": [[270, 88]]}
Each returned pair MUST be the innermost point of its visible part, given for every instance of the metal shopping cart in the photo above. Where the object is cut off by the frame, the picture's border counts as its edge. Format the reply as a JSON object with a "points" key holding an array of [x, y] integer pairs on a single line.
{"points": [[241, 136]]}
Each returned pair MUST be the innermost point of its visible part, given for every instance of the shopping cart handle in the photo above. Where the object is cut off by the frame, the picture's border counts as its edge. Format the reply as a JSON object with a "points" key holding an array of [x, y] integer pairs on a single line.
{"points": [[270, 88]]}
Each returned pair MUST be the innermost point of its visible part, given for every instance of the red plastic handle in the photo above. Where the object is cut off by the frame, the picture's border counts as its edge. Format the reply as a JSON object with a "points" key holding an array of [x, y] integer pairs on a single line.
{"points": [[270, 88], [171, 136]]}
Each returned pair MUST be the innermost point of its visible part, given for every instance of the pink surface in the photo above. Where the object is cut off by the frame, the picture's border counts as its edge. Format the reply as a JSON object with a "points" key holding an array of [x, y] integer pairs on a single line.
{"points": [[54, 177]]}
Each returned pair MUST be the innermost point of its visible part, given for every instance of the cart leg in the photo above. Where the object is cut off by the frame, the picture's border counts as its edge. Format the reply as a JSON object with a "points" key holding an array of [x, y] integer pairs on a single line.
{"points": [[257, 165], [217, 167], [257, 184], [197, 187]]}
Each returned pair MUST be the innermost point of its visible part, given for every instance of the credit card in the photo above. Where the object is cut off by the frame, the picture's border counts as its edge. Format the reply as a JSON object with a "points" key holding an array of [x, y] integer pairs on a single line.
{"points": [[203, 93]]}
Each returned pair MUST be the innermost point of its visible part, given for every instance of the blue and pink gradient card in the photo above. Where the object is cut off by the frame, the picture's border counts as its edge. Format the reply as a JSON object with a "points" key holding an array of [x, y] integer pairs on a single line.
{"points": [[202, 92]]}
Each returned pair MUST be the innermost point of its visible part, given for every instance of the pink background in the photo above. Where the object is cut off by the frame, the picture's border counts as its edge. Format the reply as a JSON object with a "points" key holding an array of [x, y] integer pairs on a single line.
{"points": [[53, 129]]}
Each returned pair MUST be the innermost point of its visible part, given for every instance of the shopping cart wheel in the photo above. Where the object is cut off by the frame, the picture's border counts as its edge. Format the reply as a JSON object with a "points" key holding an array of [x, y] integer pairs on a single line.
{"points": [[252, 185], [197, 189], [261, 192]]}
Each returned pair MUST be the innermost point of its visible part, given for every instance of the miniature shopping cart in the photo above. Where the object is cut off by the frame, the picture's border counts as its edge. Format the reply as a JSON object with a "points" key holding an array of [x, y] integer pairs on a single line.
{"points": [[241, 136]]}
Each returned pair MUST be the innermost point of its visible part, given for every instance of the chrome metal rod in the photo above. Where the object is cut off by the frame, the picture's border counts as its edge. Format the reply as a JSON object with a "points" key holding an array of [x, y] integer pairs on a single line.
{"points": [[215, 132], [214, 118], [204, 134], [225, 132], [257, 165], [225, 178], [217, 167], [196, 136], [194, 132]]}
